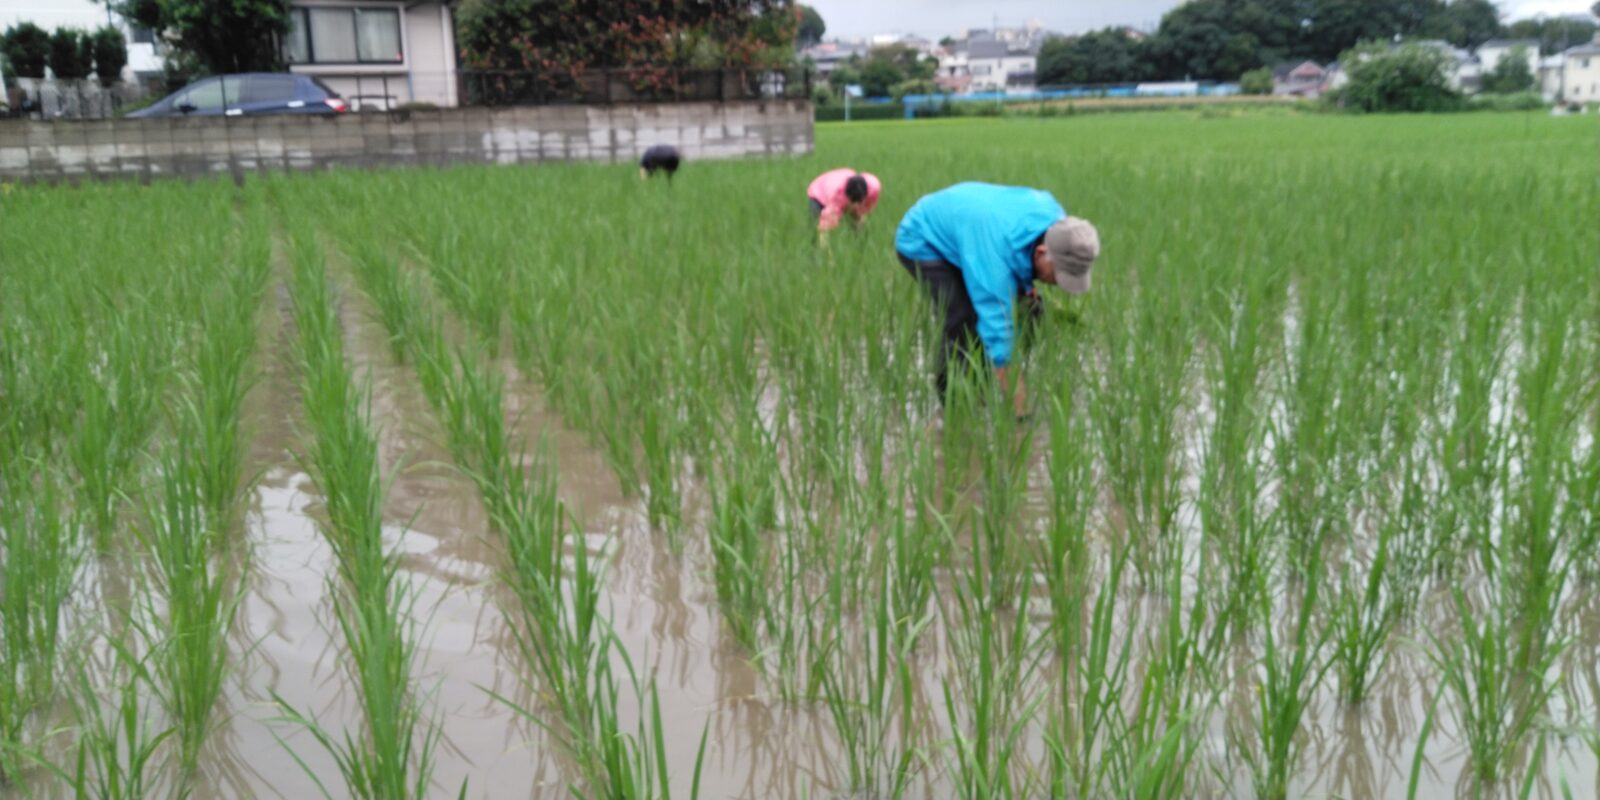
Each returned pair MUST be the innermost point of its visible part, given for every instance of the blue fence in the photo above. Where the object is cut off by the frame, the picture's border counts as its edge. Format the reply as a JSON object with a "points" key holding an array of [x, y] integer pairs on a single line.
{"points": [[912, 102]]}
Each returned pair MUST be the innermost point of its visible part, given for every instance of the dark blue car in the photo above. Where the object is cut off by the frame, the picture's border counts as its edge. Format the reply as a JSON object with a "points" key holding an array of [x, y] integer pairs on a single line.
{"points": [[248, 94]]}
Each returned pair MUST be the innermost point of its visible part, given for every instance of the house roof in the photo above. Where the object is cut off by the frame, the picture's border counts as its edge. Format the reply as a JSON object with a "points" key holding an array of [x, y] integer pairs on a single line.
{"points": [[1591, 49], [987, 48], [1285, 68]]}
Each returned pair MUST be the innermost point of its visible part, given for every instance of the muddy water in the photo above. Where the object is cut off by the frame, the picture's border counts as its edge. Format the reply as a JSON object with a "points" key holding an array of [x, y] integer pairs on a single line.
{"points": [[663, 610], [292, 649]]}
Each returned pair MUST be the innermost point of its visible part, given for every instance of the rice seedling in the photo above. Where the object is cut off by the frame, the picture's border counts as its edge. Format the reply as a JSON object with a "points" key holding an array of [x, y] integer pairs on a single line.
{"points": [[870, 695], [1291, 668], [1497, 701], [37, 571], [118, 753], [190, 623]]}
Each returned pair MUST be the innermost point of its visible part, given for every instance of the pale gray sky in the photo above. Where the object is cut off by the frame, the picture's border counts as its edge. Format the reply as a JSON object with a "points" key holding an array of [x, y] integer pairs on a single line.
{"points": [[937, 18]]}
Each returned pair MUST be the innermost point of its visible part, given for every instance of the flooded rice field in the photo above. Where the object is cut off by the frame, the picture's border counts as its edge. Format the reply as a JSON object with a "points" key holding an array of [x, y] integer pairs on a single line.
{"points": [[548, 483]]}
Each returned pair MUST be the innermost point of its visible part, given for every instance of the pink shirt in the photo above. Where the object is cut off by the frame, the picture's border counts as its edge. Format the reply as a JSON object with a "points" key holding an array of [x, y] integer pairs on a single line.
{"points": [[828, 189]]}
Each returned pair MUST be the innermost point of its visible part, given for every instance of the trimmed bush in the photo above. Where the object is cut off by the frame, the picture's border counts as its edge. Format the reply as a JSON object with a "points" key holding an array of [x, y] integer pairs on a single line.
{"points": [[110, 54], [71, 54], [26, 47]]}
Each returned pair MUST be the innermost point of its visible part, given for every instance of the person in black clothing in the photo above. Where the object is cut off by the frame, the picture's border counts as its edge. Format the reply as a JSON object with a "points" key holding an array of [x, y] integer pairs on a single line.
{"points": [[659, 158]]}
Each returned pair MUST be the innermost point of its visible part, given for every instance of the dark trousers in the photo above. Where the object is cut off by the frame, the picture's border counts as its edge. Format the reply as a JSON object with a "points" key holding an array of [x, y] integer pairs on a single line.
{"points": [[945, 286], [959, 340]]}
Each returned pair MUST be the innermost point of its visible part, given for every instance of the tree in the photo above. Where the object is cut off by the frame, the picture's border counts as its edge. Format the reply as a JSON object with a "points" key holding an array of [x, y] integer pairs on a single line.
{"points": [[1105, 56], [558, 40], [110, 54], [906, 59], [1511, 74], [843, 76], [1595, 9], [914, 86], [811, 26], [1338, 25], [1256, 81], [1467, 23], [879, 77], [26, 47], [1410, 77], [1555, 34], [71, 54], [1218, 38], [220, 35]]}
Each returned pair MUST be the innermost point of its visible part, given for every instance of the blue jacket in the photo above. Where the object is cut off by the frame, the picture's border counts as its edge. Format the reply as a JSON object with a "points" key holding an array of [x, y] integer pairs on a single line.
{"points": [[988, 232]]}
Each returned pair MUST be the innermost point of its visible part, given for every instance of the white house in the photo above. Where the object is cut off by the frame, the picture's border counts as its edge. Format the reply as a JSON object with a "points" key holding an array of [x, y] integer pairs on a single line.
{"points": [[376, 53], [1581, 73], [1490, 53], [991, 62], [144, 59]]}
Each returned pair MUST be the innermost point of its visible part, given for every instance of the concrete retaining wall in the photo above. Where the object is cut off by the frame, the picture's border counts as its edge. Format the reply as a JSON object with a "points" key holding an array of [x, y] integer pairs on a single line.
{"points": [[145, 149]]}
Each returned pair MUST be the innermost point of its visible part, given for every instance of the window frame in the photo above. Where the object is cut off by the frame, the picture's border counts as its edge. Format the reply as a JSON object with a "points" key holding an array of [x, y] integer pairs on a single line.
{"points": [[302, 13]]}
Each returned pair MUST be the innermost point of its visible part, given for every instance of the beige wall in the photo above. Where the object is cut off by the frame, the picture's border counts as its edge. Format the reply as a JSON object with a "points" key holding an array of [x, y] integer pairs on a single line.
{"points": [[175, 147], [1582, 79], [427, 75]]}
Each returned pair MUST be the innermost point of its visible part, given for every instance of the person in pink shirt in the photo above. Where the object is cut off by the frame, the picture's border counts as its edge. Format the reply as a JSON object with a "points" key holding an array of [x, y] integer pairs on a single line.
{"points": [[842, 191]]}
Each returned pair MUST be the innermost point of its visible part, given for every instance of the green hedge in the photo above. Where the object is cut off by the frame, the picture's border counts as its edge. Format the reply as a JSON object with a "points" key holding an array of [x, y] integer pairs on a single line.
{"points": [[835, 113]]}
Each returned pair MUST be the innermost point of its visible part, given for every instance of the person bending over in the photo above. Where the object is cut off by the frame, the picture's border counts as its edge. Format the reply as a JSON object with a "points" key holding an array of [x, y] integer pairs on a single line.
{"points": [[975, 247]]}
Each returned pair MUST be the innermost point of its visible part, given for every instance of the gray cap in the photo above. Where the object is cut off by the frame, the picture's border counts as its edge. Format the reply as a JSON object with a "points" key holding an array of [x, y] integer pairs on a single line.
{"points": [[1073, 245]]}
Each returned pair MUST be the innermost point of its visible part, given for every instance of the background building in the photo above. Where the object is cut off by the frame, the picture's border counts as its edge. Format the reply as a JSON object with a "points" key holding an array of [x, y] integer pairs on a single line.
{"points": [[376, 54], [1581, 74]]}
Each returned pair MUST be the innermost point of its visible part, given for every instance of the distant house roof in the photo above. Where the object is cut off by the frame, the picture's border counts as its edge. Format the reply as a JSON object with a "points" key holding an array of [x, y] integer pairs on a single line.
{"points": [[1298, 72], [1507, 44], [987, 48], [1590, 49], [1460, 56]]}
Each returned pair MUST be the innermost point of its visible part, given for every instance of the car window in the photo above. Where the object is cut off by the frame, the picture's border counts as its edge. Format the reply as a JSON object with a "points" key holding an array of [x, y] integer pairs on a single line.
{"points": [[267, 89], [209, 95], [324, 87]]}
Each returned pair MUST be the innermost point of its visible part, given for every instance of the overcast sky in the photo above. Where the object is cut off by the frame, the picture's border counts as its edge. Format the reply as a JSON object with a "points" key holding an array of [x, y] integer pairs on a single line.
{"points": [[937, 18]]}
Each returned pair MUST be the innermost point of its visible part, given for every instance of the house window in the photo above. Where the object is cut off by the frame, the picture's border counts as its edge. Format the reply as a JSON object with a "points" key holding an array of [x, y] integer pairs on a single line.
{"points": [[1586, 63], [334, 35], [143, 35]]}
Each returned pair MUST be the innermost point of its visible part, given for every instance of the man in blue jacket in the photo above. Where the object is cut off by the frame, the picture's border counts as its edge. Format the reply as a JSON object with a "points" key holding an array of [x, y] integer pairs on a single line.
{"points": [[975, 247]]}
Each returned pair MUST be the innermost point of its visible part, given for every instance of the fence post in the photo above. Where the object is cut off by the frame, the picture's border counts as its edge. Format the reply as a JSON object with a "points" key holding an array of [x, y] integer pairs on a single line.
{"points": [[722, 85]]}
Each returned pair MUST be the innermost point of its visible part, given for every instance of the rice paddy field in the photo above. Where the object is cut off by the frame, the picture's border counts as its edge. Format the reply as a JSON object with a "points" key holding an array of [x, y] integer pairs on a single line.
{"points": [[547, 482]]}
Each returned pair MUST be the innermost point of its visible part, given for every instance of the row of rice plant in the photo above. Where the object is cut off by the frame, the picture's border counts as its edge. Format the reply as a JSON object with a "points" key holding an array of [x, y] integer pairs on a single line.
{"points": [[576, 664], [97, 325], [392, 754]]}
